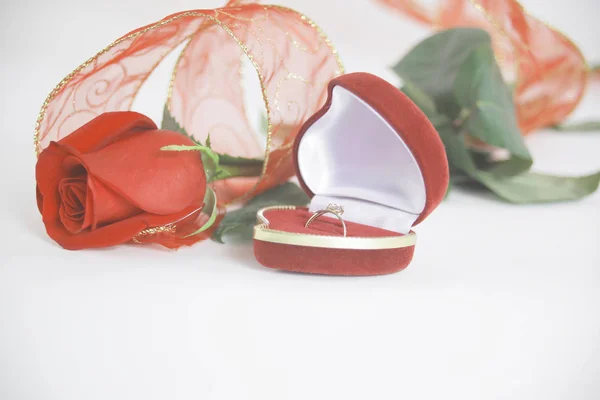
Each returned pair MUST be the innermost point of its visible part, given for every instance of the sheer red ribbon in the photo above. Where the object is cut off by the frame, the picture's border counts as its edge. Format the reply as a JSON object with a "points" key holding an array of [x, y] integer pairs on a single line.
{"points": [[290, 56]]}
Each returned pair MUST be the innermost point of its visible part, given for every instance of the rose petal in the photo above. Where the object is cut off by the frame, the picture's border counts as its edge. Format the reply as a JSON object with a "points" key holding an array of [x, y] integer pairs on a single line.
{"points": [[39, 198], [156, 181], [106, 206], [109, 207], [73, 194], [107, 128], [73, 199], [48, 171], [110, 235]]}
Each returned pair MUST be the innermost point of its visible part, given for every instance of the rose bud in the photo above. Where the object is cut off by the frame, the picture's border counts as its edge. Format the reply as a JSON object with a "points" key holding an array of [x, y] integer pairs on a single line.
{"points": [[109, 180]]}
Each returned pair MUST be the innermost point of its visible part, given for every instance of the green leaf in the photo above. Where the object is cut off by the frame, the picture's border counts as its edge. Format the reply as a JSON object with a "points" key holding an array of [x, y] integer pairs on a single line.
{"points": [[526, 187], [212, 167], [531, 187], [425, 103], [460, 159], [210, 208], [433, 64], [482, 95], [239, 224], [453, 77], [181, 147], [240, 166], [240, 161], [420, 98], [170, 124], [586, 126]]}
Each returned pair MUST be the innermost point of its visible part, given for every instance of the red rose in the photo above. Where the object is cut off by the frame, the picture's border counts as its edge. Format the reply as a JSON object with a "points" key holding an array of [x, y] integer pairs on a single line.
{"points": [[108, 181]]}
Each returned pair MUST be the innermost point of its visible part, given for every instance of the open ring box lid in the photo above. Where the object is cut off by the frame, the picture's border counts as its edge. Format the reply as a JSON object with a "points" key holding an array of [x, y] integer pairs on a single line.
{"points": [[371, 150]]}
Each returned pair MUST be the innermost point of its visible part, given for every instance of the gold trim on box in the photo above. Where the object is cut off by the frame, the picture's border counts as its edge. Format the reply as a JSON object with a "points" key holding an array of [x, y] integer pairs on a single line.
{"points": [[263, 233]]}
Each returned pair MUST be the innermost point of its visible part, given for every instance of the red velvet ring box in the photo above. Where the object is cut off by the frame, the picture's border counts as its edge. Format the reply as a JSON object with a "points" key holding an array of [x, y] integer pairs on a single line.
{"points": [[372, 151]]}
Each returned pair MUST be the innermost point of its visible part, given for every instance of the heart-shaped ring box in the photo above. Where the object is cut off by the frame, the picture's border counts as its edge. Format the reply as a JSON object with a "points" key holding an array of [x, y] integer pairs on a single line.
{"points": [[371, 150]]}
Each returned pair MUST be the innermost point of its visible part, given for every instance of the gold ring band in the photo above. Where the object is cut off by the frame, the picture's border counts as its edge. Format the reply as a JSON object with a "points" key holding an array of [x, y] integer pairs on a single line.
{"points": [[331, 209]]}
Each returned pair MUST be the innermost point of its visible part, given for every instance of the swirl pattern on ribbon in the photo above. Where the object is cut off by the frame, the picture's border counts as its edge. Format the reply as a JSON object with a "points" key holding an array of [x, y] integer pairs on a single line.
{"points": [[292, 58]]}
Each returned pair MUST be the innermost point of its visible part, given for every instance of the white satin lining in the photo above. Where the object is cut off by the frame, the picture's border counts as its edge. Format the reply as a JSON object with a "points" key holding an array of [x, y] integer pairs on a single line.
{"points": [[351, 156]]}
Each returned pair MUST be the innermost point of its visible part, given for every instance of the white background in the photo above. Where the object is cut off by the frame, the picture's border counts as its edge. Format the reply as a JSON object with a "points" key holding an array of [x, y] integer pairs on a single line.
{"points": [[500, 302]]}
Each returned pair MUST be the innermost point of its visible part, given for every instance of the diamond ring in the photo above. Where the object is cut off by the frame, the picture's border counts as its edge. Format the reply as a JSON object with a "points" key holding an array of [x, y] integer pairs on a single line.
{"points": [[334, 209]]}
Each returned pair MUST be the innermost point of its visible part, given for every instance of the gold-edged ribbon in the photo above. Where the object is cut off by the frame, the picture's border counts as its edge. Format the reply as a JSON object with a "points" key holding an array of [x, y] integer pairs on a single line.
{"points": [[291, 56]]}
